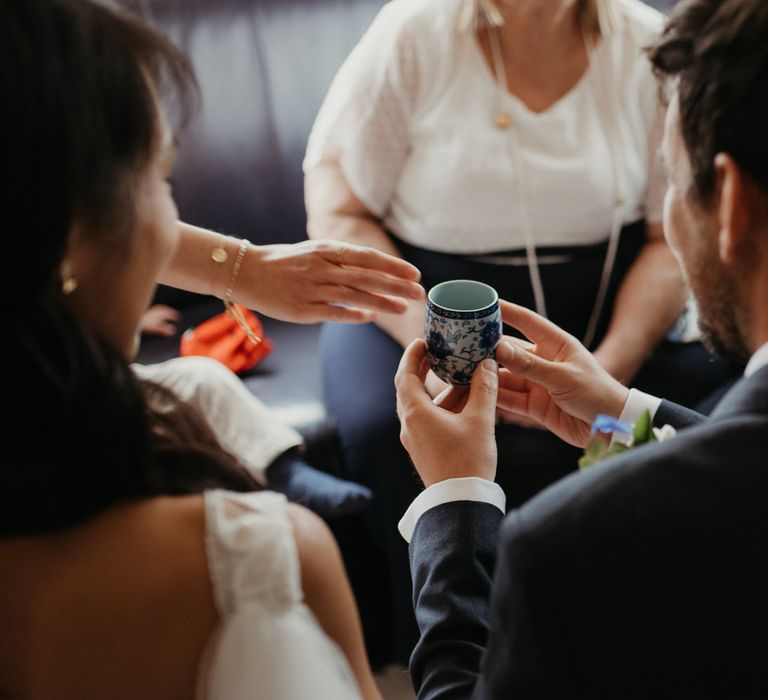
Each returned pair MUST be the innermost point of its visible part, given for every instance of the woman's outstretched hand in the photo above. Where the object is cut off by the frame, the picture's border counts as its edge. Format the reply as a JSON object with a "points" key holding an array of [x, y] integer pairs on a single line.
{"points": [[553, 378], [452, 436], [324, 280]]}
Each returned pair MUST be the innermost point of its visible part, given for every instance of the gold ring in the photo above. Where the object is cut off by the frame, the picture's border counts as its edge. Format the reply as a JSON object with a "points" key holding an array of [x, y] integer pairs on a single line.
{"points": [[340, 251]]}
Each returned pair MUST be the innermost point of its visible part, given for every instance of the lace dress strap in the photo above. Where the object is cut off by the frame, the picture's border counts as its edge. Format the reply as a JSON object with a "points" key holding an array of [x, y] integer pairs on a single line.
{"points": [[251, 551]]}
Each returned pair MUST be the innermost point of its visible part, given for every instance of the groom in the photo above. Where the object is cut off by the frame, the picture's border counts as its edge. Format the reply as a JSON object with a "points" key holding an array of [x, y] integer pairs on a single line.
{"points": [[647, 575]]}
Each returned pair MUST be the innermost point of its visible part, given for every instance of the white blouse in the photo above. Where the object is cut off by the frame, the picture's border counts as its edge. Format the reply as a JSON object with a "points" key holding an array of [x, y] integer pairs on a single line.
{"points": [[411, 115]]}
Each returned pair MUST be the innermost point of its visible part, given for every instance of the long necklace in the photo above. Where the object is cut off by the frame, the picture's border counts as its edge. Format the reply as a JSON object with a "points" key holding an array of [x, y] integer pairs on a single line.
{"points": [[504, 121]]}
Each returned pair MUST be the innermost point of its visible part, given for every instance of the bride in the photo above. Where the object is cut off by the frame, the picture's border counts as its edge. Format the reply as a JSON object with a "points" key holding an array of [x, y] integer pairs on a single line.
{"points": [[139, 558]]}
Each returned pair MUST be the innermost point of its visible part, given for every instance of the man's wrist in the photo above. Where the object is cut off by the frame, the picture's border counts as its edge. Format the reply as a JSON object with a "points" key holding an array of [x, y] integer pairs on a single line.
{"points": [[619, 402], [637, 402], [450, 490]]}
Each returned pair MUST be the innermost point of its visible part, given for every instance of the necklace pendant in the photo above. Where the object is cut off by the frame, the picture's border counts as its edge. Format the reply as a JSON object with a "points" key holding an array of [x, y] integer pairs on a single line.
{"points": [[503, 121]]}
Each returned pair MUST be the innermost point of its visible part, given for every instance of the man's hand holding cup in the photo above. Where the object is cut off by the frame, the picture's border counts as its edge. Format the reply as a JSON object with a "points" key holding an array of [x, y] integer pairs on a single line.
{"points": [[452, 436]]}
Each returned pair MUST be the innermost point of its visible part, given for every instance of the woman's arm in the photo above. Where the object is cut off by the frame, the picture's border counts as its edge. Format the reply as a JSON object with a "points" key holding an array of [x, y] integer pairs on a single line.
{"points": [[334, 211], [651, 297], [328, 594], [306, 282]]}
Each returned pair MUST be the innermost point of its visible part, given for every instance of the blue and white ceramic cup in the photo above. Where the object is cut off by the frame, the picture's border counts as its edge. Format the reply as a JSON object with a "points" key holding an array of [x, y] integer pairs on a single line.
{"points": [[463, 327]]}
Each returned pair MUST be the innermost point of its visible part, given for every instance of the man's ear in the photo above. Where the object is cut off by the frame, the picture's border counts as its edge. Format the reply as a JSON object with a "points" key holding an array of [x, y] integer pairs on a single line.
{"points": [[735, 210]]}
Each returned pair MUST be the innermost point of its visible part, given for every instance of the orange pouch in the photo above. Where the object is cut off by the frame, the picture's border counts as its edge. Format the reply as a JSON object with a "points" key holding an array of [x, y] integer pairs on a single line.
{"points": [[223, 339]]}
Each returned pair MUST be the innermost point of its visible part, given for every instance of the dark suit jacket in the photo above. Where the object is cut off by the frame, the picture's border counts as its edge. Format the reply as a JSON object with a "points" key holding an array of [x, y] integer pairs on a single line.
{"points": [[643, 577]]}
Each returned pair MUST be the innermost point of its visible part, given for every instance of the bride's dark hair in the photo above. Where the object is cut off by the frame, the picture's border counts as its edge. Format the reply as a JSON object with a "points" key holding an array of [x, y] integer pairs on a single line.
{"points": [[79, 84]]}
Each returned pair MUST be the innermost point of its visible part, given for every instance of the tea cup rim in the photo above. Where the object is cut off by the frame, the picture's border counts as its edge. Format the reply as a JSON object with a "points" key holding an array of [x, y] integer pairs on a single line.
{"points": [[473, 282]]}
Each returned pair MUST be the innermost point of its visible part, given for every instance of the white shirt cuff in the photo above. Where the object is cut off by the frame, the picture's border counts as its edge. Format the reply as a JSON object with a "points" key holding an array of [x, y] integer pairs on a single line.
{"points": [[637, 402], [471, 488]]}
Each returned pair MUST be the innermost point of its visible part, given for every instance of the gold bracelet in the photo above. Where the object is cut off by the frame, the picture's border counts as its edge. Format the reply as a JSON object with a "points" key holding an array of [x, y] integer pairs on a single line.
{"points": [[235, 271], [219, 256]]}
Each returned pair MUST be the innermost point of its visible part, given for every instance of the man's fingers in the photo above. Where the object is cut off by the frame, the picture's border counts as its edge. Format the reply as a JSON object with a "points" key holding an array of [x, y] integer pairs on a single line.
{"points": [[524, 344], [411, 373], [412, 362], [528, 365], [484, 390], [536, 328], [510, 380], [513, 401]]}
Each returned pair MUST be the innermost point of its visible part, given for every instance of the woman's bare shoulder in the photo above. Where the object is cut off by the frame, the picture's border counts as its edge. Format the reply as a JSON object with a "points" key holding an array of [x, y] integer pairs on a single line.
{"points": [[153, 549], [134, 579]]}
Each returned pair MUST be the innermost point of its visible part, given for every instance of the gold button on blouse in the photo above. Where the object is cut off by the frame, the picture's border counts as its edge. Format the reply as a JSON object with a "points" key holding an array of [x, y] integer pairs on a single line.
{"points": [[503, 121]]}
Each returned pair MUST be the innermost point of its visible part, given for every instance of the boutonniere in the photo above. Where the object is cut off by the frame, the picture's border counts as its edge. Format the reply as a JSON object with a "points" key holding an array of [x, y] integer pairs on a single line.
{"points": [[641, 433]]}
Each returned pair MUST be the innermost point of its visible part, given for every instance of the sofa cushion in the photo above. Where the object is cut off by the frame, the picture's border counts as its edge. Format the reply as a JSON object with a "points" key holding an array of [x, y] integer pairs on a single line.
{"points": [[263, 67]]}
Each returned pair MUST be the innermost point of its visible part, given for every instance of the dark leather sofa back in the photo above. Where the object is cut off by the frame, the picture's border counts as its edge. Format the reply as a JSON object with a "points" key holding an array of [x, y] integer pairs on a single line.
{"points": [[263, 67]]}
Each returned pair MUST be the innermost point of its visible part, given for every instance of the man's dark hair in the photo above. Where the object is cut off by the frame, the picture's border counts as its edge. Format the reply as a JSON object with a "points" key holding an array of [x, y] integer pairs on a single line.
{"points": [[718, 50]]}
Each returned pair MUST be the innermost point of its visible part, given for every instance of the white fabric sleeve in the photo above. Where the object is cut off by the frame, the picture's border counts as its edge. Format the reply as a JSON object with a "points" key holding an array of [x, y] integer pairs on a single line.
{"points": [[364, 120], [471, 488], [637, 402]]}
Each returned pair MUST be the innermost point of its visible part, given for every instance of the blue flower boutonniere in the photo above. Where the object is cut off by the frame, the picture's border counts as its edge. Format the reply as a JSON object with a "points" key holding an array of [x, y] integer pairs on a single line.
{"points": [[641, 433]]}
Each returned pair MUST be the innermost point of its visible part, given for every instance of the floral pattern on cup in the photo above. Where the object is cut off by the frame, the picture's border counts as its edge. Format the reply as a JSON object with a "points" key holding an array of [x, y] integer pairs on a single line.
{"points": [[457, 341]]}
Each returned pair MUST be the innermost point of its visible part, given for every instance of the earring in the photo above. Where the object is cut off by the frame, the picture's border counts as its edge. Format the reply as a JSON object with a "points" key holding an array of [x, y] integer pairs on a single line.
{"points": [[68, 280]]}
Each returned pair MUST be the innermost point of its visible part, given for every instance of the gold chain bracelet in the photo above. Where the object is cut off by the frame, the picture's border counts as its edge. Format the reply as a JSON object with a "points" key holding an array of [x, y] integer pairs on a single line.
{"points": [[219, 255]]}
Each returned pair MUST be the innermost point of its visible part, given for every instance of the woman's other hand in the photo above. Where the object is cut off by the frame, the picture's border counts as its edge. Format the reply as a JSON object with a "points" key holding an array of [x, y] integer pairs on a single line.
{"points": [[323, 280], [553, 379], [453, 436], [160, 320]]}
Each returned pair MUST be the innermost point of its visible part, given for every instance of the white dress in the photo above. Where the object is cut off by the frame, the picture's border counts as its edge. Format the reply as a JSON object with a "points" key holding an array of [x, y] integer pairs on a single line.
{"points": [[269, 644]]}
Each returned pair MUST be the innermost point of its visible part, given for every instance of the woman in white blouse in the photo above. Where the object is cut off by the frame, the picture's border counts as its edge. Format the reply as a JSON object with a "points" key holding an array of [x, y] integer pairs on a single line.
{"points": [[514, 143]]}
